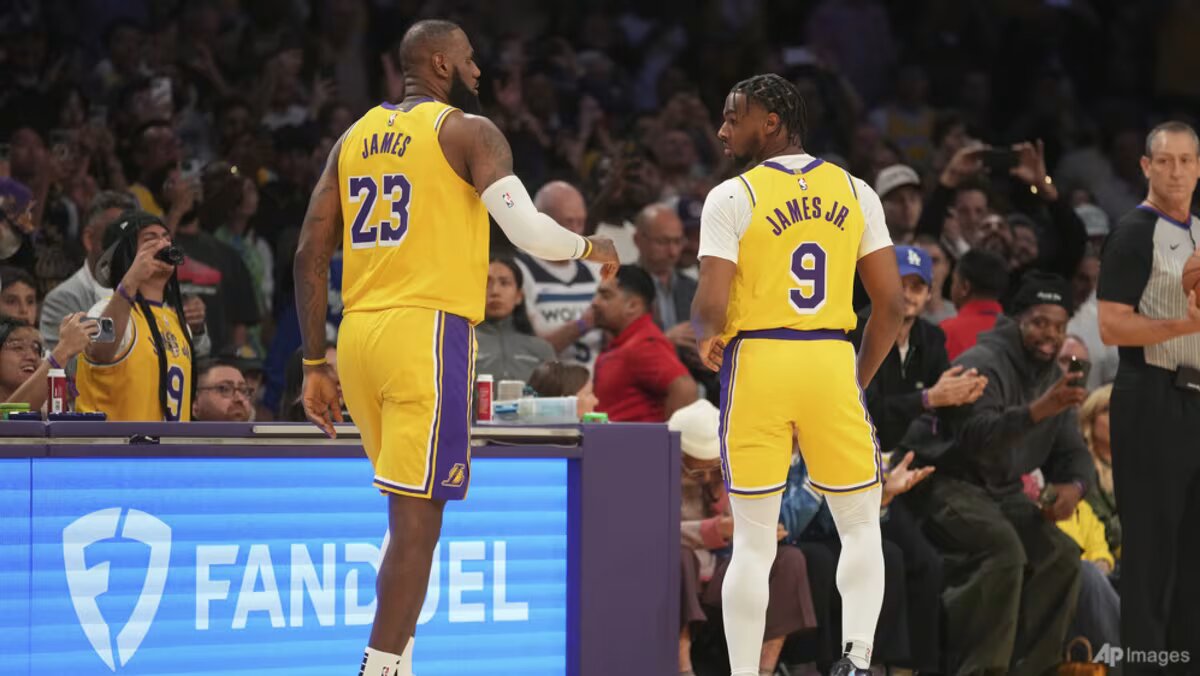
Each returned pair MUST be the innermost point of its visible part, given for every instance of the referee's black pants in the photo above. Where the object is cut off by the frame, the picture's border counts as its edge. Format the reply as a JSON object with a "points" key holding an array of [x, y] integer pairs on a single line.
{"points": [[1155, 431]]}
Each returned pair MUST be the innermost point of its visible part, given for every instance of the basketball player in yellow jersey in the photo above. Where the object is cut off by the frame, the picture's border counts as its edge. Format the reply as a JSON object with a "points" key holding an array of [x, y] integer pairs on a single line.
{"points": [[413, 184], [779, 246], [145, 374]]}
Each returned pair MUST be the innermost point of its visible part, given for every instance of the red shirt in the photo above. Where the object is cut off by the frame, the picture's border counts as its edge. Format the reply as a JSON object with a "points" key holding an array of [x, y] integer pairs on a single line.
{"points": [[974, 318], [633, 374]]}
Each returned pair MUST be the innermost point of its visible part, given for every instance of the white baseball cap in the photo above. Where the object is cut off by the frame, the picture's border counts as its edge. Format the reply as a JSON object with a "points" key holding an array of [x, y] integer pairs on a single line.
{"points": [[896, 176], [698, 424]]}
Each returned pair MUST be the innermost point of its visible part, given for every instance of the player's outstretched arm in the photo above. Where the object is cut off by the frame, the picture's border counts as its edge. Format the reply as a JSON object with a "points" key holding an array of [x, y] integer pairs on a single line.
{"points": [[881, 277], [475, 144], [319, 237]]}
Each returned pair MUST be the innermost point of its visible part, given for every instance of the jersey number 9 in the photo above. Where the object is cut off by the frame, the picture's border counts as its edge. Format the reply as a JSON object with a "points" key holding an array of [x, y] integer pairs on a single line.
{"points": [[364, 190], [808, 270], [174, 394]]}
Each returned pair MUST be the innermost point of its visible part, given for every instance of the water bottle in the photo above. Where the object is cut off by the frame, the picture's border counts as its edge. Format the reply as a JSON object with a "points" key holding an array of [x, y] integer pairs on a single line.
{"points": [[548, 410]]}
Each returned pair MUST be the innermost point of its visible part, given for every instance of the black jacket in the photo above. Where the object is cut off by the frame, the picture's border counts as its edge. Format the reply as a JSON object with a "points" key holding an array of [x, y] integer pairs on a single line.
{"points": [[993, 442], [894, 394]]}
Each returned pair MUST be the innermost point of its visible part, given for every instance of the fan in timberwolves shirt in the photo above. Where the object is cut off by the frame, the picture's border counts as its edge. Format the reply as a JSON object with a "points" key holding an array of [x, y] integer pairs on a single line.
{"points": [[558, 294]]}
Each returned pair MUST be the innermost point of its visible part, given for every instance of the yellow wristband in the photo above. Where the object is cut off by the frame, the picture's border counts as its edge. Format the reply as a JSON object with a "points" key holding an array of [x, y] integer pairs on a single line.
{"points": [[314, 362], [587, 247]]}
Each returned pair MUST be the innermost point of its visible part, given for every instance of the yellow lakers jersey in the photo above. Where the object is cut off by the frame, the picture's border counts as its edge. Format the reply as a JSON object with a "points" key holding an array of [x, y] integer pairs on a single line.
{"points": [[797, 258], [127, 389], [415, 234]]}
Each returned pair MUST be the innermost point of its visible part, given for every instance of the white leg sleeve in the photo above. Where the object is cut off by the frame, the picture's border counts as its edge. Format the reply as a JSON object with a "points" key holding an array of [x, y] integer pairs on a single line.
{"points": [[860, 568], [746, 591]]}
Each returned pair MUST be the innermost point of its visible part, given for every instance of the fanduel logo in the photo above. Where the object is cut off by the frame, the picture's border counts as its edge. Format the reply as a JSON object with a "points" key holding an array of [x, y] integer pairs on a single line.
{"points": [[86, 584]]}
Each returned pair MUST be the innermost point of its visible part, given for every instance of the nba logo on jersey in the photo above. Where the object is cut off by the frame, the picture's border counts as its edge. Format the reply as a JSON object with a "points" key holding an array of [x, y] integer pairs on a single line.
{"points": [[456, 477], [802, 183]]}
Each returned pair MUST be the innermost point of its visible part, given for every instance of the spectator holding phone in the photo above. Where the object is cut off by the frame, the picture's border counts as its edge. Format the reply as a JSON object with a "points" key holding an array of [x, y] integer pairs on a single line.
{"points": [[1006, 552], [145, 373], [23, 370]]}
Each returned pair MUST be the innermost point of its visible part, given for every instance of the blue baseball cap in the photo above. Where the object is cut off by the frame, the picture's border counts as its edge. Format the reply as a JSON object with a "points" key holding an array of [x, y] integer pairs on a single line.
{"points": [[914, 261]]}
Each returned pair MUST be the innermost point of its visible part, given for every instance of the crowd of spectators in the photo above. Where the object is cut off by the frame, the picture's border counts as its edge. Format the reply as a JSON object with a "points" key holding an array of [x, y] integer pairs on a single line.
{"points": [[1003, 139]]}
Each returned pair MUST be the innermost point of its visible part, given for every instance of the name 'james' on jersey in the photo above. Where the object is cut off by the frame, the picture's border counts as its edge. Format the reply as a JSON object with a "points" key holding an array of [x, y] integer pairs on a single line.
{"points": [[415, 234], [799, 252]]}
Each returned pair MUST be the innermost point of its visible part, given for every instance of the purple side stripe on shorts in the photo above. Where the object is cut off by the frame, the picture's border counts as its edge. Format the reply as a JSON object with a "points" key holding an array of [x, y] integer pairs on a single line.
{"points": [[451, 471]]}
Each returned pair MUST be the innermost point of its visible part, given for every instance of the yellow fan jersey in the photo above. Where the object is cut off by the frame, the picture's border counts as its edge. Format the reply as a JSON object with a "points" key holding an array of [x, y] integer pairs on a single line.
{"points": [[798, 253], [127, 389], [415, 234]]}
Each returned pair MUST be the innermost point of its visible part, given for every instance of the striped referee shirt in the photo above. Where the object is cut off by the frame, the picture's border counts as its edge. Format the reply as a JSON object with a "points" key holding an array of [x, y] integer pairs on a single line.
{"points": [[1142, 265]]}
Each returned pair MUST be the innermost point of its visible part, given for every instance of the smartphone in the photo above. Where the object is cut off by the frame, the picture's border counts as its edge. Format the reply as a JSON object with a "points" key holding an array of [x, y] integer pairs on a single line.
{"points": [[1083, 366], [106, 334], [999, 160], [160, 91], [1049, 496]]}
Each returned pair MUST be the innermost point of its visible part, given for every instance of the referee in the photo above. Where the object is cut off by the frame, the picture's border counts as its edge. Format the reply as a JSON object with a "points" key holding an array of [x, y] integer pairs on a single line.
{"points": [[1155, 412]]}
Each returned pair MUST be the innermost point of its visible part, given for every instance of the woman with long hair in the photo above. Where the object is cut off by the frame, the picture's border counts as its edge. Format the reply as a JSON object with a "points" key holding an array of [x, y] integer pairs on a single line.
{"points": [[1093, 422], [508, 350]]}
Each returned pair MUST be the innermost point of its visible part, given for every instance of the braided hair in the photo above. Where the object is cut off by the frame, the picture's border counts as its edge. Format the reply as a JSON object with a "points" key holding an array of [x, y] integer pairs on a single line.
{"points": [[777, 95], [120, 240]]}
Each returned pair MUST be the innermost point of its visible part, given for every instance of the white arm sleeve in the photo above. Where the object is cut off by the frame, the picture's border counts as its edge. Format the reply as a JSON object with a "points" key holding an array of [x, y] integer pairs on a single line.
{"points": [[875, 233], [508, 202], [724, 219]]}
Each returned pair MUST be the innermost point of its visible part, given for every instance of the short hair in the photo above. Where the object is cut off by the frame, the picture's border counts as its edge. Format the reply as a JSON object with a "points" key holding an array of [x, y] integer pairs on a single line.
{"points": [[556, 379], [109, 199], [1172, 127], [420, 38], [974, 185], [10, 275], [207, 364], [777, 95], [986, 272], [633, 279]]}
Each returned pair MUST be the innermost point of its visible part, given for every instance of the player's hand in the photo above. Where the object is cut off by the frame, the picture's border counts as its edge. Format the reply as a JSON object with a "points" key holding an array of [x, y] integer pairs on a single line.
{"points": [[145, 265], [604, 252], [320, 397], [712, 352], [902, 479], [1064, 394]]}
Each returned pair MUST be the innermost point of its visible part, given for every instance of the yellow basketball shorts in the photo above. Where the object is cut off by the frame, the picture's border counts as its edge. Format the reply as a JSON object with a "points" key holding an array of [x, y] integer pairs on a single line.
{"points": [[406, 376], [777, 380]]}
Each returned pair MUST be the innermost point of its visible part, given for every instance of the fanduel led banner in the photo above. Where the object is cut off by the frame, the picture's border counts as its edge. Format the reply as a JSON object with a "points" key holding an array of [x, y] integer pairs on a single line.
{"points": [[267, 566]]}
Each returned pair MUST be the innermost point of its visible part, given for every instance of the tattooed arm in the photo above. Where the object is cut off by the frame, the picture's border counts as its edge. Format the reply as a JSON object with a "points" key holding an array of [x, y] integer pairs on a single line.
{"points": [[480, 154], [319, 237]]}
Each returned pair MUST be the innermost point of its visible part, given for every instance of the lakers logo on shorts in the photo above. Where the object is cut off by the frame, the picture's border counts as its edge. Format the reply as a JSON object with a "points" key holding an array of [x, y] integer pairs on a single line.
{"points": [[458, 473]]}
